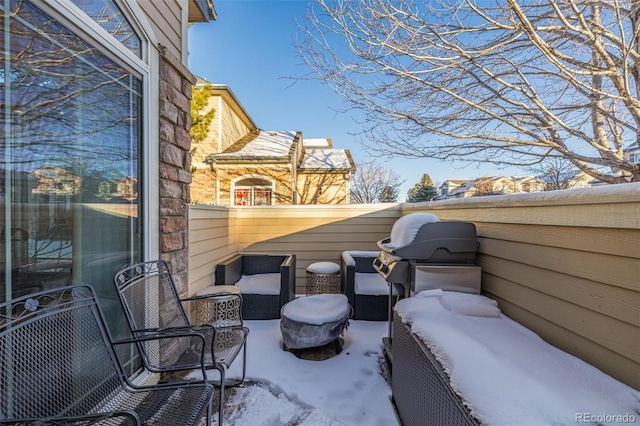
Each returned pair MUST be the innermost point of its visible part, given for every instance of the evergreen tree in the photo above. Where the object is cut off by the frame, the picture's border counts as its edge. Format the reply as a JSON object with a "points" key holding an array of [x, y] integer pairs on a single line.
{"points": [[422, 191]]}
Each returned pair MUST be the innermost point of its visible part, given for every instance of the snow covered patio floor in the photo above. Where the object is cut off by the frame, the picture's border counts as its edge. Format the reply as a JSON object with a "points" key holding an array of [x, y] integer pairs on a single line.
{"points": [[345, 389]]}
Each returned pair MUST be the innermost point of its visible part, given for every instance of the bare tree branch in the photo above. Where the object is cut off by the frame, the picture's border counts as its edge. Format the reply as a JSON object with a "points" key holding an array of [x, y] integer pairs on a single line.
{"points": [[509, 82]]}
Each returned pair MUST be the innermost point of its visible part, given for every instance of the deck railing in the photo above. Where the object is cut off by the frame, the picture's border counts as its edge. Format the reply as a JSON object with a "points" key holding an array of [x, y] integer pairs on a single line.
{"points": [[565, 264]]}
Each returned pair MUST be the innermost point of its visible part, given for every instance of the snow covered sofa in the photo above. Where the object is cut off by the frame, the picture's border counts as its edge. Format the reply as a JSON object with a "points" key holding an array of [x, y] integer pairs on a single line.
{"points": [[458, 361], [366, 289], [266, 282]]}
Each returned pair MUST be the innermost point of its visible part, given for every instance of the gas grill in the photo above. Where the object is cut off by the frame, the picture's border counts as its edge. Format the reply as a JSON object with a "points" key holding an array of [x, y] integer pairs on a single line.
{"points": [[418, 243], [426, 253]]}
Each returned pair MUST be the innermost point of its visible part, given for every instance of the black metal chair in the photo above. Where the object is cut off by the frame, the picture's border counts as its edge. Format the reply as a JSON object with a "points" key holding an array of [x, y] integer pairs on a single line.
{"points": [[58, 366], [260, 305], [151, 304]]}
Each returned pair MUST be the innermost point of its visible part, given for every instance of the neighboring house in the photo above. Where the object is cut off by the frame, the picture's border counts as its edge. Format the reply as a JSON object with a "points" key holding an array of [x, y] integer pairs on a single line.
{"points": [[447, 187], [497, 185], [96, 128], [239, 164], [632, 152], [566, 180]]}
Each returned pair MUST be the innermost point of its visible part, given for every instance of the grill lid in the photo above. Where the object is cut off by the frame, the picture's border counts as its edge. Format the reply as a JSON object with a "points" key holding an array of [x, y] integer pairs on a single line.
{"points": [[423, 237]]}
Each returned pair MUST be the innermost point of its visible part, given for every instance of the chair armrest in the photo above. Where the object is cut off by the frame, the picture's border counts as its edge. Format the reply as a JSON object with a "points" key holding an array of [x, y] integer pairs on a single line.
{"points": [[171, 333], [90, 419], [287, 279], [229, 271], [348, 277]]}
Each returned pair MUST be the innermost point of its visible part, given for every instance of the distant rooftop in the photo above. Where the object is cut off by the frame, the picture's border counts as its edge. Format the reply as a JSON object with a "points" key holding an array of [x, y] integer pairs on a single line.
{"points": [[260, 145], [328, 159]]}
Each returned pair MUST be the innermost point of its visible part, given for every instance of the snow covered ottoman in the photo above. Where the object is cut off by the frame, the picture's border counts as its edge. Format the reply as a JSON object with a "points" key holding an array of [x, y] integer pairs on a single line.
{"points": [[313, 321], [458, 360]]}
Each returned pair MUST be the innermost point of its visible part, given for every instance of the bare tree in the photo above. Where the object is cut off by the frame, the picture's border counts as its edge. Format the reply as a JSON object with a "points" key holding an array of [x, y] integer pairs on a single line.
{"points": [[508, 82], [556, 173], [372, 183]]}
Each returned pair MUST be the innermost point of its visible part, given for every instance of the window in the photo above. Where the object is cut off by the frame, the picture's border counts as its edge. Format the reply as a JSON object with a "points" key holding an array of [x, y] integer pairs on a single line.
{"points": [[252, 192], [70, 165]]}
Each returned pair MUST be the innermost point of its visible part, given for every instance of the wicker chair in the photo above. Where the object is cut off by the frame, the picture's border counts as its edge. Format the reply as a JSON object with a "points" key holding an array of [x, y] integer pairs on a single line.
{"points": [[151, 304], [58, 366], [367, 291], [275, 273]]}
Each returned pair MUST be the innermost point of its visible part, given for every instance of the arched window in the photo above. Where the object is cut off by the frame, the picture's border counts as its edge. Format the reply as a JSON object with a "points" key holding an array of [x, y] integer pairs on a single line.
{"points": [[253, 192]]}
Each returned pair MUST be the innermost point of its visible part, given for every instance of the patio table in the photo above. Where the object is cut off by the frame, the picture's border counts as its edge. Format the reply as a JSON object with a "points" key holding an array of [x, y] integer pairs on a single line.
{"points": [[220, 311], [323, 277], [313, 321]]}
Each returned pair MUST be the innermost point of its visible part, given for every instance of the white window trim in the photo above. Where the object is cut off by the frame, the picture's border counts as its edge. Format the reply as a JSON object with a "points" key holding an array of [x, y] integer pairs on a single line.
{"points": [[241, 178]]}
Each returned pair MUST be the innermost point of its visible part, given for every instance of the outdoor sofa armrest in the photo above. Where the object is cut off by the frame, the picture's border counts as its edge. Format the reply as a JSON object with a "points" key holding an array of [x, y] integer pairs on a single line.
{"points": [[229, 271], [288, 279]]}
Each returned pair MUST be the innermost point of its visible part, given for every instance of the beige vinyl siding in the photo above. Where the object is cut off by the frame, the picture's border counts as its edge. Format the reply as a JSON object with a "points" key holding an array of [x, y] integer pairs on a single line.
{"points": [[565, 264], [165, 17], [212, 238], [232, 126], [323, 188]]}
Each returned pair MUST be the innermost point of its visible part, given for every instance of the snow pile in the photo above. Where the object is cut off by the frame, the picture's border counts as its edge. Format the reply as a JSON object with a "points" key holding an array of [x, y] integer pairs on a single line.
{"points": [[508, 375], [260, 283], [406, 228], [317, 309], [346, 389]]}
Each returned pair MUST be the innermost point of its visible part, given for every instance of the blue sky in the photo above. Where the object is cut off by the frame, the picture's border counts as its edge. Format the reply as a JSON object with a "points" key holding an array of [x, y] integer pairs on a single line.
{"points": [[250, 49]]}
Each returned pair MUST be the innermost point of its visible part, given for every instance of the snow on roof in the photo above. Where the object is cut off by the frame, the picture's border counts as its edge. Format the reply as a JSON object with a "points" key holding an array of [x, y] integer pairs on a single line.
{"points": [[317, 143], [316, 158], [264, 144], [505, 373]]}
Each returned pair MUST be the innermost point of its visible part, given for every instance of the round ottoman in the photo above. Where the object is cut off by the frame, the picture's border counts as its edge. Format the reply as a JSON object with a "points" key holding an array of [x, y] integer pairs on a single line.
{"points": [[323, 277], [221, 311], [312, 321]]}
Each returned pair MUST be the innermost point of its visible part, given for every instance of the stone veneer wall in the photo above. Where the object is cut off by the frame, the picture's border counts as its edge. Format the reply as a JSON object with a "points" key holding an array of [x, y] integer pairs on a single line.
{"points": [[175, 163]]}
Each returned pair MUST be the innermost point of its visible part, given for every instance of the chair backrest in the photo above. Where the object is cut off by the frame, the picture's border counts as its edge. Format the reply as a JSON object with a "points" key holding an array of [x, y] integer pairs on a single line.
{"points": [[150, 300], [145, 286], [365, 264], [55, 355]]}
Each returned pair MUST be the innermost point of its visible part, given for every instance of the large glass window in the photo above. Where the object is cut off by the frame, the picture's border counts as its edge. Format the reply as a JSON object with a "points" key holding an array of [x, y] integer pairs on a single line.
{"points": [[70, 162]]}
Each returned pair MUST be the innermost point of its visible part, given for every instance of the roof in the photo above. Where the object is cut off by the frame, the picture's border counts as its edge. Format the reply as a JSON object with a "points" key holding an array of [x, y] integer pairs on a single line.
{"points": [[632, 146], [317, 143], [260, 145], [327, 160], [225, 92]]}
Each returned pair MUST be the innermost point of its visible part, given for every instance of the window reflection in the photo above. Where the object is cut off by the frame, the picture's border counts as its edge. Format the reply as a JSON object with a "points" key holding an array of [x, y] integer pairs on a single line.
{"points": [[69, 163], [109, 16]]}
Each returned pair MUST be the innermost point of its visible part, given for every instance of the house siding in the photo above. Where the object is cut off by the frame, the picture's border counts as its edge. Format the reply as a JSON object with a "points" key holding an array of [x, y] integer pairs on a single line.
{"points": [[323, 188], [564, 263], [166, 19]]}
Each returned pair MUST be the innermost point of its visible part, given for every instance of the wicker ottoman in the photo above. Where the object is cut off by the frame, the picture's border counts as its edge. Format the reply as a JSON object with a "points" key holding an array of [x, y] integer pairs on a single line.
{"points": [[312, 321], [323, 277]]}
